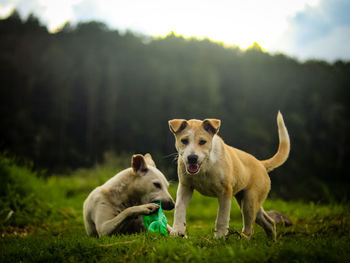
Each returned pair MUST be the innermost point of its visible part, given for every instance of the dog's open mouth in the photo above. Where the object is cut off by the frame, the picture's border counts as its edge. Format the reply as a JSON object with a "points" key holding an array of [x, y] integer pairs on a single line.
{"points": [[193, 168]]}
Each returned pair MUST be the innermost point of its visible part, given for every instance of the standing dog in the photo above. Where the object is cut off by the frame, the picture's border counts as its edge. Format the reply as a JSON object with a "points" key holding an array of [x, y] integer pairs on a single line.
{"points": [[216, 169], [118, 205]]}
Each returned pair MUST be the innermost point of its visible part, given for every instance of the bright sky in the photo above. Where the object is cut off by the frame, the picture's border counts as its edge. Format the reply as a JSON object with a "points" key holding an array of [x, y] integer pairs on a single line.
{"points": [[275, 24]]}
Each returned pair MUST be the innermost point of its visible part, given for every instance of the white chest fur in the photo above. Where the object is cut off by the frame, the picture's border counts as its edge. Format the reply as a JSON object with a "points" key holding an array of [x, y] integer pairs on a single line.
{"points": [[208, 184]]}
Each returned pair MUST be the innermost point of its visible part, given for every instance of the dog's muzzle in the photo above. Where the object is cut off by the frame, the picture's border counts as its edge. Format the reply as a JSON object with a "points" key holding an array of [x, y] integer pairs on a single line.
{"points": [[192, 164], [168, 205], [192, 168]]}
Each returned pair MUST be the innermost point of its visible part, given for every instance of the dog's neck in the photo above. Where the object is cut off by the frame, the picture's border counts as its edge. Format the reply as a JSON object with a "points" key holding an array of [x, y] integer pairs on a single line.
{"points": [[120, 194], [216, 150]]}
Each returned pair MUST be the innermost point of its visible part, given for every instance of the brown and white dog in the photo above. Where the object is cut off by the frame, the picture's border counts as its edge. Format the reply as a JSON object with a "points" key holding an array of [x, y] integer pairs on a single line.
{"points": [[215, 169], [118, 205]]}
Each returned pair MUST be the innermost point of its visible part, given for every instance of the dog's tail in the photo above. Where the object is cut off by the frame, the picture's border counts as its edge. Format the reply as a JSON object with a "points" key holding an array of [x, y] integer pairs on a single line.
{"points": [[283, 149]]}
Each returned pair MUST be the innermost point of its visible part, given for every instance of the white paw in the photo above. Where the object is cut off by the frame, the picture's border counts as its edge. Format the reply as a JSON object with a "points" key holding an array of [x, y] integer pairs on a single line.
{"points": [[220, 234], [177, 233], [148, 209]]}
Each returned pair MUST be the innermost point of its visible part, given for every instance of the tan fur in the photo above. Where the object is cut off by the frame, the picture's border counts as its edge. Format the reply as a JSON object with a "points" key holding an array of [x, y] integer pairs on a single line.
{"points": [[117, 206], [224, 171]]}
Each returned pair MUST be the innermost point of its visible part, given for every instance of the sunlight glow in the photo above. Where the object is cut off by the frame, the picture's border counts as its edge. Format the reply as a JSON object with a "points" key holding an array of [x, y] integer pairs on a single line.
{"points": [[56, 13], [231, 21], [6, 9]]}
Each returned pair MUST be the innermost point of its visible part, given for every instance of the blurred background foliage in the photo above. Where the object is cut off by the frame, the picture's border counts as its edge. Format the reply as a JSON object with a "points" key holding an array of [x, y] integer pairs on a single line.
{"points": [[68, 98]]}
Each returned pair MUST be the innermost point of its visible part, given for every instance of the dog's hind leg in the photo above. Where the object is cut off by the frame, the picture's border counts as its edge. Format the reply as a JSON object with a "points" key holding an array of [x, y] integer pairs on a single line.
{"points": [[249, 208], [107, 223], [267, 223], [279, 218], [90, 228]]}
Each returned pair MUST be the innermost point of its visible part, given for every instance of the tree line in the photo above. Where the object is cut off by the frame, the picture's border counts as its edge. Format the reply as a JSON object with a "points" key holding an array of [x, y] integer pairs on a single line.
{"points": [[69, 97]]}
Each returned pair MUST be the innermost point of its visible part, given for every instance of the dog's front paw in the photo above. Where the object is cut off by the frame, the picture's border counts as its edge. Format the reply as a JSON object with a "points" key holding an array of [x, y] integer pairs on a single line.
{"points": [[220, 234], [177, 233], [148, 209]]}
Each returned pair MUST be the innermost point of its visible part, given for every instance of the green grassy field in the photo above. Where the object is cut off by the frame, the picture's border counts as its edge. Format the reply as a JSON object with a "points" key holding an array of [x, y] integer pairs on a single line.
{"points": [[41, 221]]}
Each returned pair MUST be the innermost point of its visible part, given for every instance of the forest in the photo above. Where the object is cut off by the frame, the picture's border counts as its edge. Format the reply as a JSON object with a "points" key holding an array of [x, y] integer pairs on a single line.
{"points": [[68, 98]]}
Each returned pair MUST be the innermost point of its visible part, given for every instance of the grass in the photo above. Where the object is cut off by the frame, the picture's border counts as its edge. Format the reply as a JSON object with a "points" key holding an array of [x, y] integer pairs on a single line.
{"points": [[46, 225]]}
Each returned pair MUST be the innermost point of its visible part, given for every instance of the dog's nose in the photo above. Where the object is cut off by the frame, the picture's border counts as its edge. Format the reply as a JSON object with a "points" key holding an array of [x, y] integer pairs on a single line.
{"points": [[192, 159], [168, 205]]}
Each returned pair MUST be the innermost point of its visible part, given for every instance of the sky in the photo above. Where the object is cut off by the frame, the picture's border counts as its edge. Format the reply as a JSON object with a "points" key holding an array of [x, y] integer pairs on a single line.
{"points": [[305, 29]]}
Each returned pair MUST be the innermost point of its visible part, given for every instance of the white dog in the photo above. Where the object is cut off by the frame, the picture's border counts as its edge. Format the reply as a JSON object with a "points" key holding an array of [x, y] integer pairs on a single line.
{"points": [[216, 169], [117, 206]]}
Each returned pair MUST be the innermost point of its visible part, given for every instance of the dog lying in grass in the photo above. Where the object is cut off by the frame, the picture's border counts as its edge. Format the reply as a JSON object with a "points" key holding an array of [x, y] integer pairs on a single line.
{"points": [[213, 168], [117, 206]]}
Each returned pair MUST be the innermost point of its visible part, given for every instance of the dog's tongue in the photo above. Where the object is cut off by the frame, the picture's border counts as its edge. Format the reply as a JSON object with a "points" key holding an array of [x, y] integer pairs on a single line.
{"points": [[192, 168]]}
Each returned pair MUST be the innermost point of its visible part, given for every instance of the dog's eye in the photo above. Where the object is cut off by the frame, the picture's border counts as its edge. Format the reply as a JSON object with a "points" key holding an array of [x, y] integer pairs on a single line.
{"points": [[184, 141], [157, 185], [202, 142]]}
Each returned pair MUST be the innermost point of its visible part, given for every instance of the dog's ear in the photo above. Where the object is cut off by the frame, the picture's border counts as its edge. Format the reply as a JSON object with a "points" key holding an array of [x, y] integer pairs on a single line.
{"points": [[149, 160], [211, 125], [177, 125], [138, 163]]}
